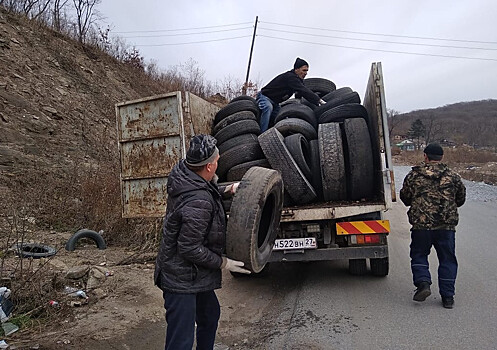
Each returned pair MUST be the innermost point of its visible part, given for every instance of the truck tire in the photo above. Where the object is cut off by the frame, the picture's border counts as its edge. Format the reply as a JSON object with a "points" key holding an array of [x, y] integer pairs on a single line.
{"points": [[255, 217], [298, 146], [337, 93], [244, 98], [296, 184], [379, 266], [351, 97], [236, 129], [94, 236], [236, 173], [357, 267], [299, 111], [320, 85], [243, 115], [33, 250], [236, 141], [238, 155], [294, 125], [332, 162], [316, 168], [236, 106], [342, 112], [358, 159], [290, 101]]}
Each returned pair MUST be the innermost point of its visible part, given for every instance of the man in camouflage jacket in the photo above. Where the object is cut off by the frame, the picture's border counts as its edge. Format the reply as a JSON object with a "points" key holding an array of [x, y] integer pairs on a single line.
{"points": [[433, 193]]}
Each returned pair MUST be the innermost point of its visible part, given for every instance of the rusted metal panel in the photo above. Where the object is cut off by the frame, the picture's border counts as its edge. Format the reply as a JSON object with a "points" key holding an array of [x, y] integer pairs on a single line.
{"points": [[152, 139], [328, 213]]}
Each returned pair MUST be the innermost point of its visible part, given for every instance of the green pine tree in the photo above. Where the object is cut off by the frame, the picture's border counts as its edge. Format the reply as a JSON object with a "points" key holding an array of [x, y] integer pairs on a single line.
{"points": [[417, 131]]}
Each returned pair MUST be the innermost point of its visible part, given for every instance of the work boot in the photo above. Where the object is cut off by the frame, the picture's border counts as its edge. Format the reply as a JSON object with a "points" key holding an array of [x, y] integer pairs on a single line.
{"points": [[448, 302], [422, 292]]}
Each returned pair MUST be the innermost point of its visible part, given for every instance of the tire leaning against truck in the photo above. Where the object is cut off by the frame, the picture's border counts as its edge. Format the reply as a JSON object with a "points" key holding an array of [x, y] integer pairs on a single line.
{"points": [[255, 217]]}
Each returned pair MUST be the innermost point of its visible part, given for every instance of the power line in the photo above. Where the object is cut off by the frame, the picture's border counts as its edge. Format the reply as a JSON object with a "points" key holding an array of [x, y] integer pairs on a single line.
{"points": [[379, 50], [381, 41], [197, 42], [180, 29], [380, 34], [182, 34]]}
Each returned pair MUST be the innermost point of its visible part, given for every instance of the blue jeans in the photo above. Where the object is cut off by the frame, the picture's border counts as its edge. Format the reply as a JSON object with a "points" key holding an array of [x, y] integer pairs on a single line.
{"points": [[444, 242], [268, 109], [182, 311]]}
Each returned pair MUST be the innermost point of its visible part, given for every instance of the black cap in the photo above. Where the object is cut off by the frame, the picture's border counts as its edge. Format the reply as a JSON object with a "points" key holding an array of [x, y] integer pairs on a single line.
{"points": [[434, 149], [202, 150], [299, 62]]}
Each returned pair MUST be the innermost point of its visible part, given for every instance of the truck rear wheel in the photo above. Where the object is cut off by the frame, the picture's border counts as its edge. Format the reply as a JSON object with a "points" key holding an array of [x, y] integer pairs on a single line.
{"points": [[255, 217], [379, 266], [357, 267]]}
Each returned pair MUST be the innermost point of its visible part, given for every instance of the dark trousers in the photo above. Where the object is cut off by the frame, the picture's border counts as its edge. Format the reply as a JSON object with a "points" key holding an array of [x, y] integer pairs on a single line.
{"points": [[183, 311], [444, 242]]}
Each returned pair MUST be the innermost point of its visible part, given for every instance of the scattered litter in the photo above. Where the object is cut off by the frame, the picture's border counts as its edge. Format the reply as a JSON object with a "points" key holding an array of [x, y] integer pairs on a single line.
{"points": [[3, 344], [54, 303], [74, 292], [9, 328], [6, 305]]}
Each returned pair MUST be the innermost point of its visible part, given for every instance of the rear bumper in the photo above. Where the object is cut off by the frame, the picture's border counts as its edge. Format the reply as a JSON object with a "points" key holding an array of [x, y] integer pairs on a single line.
{"points": [[380, 251]]}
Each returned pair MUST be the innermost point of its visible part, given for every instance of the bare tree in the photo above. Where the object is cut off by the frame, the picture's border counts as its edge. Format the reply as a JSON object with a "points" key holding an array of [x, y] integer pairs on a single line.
{"points": [[393, 120], [85, 16], [433, 128], [57, 10]]}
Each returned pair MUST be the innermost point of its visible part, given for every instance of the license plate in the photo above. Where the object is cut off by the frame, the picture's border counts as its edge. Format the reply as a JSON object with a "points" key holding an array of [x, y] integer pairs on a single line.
{"points": [[295, 243]]}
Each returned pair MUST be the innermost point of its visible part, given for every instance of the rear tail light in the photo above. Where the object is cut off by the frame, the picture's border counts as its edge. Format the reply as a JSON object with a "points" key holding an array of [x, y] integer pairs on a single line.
{"points": [[365, 239]]}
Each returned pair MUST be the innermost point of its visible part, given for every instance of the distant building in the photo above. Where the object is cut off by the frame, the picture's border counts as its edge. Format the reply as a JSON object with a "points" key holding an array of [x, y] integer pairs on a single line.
{"points": [[406, 145]]}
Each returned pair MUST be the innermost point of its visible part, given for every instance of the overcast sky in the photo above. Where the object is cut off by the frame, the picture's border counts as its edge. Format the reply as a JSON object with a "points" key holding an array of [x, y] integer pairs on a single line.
{"points": [[339, 39]]}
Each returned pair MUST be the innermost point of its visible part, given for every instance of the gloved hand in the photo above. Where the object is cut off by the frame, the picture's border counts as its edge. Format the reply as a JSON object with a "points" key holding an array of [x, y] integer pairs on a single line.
{"points": [[232, 188], [322, 102], [234, 266]]}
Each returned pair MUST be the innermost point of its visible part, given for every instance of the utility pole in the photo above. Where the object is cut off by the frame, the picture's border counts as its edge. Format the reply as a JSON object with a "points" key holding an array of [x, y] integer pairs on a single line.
{"points": [[244, 90]]}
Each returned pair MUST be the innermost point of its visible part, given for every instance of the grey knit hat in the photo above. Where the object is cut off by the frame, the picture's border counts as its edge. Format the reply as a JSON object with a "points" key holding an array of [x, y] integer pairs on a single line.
{"points": [[202, 150]]}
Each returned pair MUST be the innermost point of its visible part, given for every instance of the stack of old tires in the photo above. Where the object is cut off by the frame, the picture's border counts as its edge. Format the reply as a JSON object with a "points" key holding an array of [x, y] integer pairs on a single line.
{"points": [[236, 129], [322, 152]]}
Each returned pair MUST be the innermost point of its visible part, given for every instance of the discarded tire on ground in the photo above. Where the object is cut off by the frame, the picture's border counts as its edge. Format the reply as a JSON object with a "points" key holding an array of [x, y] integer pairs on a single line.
{"points": [[94, 236], [254, 217], [33, 250], [296, 184], [332, 162], [358, 159]]}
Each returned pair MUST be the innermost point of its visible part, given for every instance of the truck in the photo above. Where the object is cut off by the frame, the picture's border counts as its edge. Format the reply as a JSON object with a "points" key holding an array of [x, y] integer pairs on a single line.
{"points": [[153, 133]]}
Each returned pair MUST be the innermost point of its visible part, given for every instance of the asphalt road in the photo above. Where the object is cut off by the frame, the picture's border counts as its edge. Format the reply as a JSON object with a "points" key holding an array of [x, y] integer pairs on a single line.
{"points": [[320, 306]]}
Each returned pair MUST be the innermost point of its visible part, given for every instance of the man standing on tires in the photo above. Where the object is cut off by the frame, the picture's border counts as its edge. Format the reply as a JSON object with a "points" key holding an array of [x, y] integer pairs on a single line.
{"points": [[280, 89], [189, 261], [433, 193]]}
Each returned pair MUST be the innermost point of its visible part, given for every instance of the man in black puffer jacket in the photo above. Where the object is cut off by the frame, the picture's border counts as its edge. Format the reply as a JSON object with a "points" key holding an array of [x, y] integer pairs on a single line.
{"points": [[189, 262]]}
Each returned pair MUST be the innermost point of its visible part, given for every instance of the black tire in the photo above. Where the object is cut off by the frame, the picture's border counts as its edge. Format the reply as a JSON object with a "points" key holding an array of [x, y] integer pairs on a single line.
{"points": [[352, 97], [94, 236], [299, 111], [234, 107], [290, 101], [238, 116], [298, 146], [308, 104], [342, 112], [296, 184], [238, 155], [237, 141], [236, 173], [236, 129], [358, 159], [255, 217], [357, 267], [379, 266], [244, 98], [332, 162], [316, 180], [337, 93], [34, 250], [292, 126], [320, 85]]}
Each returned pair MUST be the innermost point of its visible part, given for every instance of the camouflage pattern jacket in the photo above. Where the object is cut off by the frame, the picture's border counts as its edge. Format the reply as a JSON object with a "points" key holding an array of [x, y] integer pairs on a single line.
{"points": [[433, 193]]}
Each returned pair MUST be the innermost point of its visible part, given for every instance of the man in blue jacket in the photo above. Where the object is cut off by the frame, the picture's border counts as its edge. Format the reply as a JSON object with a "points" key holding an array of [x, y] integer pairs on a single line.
{"points": [[281, 89], [189, 262]]}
